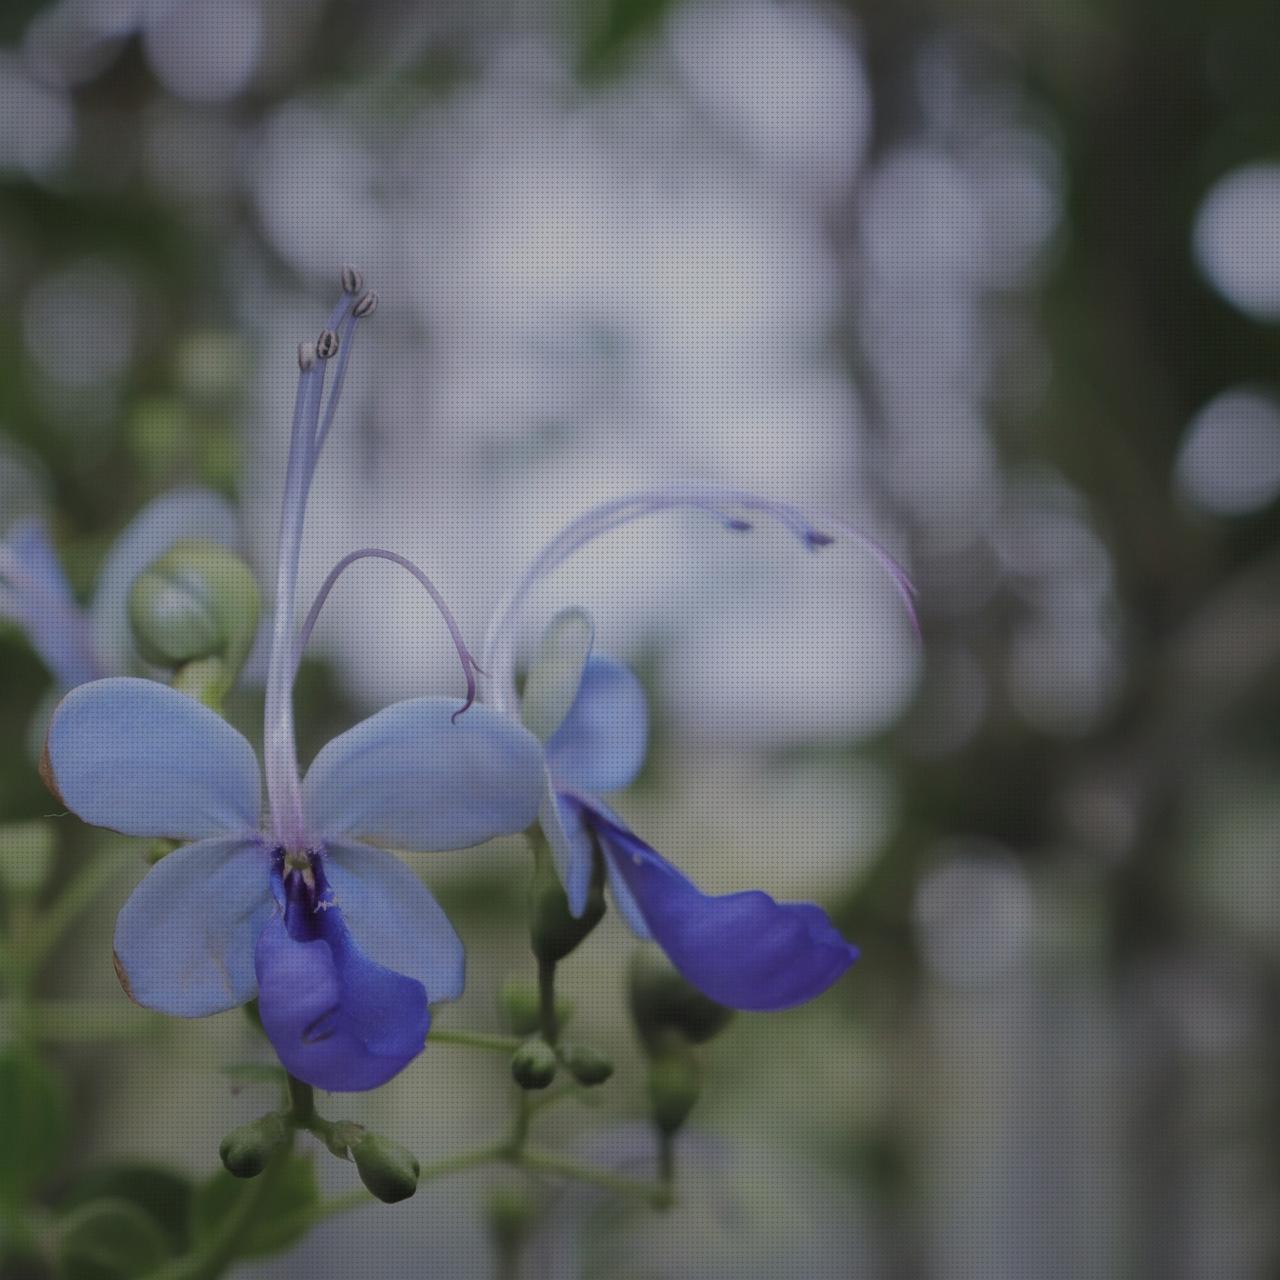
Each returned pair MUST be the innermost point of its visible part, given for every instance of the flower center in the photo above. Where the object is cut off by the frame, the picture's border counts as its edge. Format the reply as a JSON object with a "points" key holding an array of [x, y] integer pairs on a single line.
{"points": [[303, 892]]}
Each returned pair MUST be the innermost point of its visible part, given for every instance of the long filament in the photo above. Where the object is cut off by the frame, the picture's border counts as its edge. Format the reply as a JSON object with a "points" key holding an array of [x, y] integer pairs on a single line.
{"points": [[812, 531]]}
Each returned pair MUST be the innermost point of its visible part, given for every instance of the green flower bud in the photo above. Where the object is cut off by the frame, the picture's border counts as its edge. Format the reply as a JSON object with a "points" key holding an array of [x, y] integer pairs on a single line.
{"points": [[197, 603], [662, 1001], [386, 1168], [247, 1151], [587, 1066], [533, 1065], [553, 929], [674, 1085], [521, 1008]]}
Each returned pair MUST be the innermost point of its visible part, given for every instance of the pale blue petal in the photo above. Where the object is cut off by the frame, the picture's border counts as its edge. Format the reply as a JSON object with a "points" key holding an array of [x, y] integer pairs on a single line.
{"points": [[572, 815], [146, 760], [600, 746], [185, 940], [54, 623], [555, 674], [394, 919], [183, 513], [30, 543], [571, 847], [414, 778]]}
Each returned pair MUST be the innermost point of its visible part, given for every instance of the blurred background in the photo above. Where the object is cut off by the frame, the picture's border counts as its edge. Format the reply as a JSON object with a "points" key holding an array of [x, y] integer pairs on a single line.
{"points": [[999, 283]]}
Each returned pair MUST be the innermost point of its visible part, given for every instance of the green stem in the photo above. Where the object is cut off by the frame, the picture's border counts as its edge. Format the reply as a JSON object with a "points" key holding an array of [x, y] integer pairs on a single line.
{"points": [[549, 1023], [209, 1260], [302, 1103], [359, 1198], [667, 1160], [549, 1098], [456, 1164], [519, 1135], [475, 1040], [656, 1194], [85, 885]]}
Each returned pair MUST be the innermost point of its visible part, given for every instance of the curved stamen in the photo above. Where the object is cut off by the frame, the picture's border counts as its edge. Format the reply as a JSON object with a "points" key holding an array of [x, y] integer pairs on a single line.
{"points": [[469, 666], [813, 532]]}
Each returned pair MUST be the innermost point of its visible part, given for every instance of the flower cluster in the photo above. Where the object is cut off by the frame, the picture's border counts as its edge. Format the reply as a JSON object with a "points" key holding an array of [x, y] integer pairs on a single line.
{"points": [[300, 902]]}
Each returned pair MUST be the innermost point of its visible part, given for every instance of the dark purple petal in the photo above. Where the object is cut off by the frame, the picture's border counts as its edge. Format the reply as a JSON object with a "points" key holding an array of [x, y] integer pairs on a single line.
{"points": [[336, 1019], [743, 950]]}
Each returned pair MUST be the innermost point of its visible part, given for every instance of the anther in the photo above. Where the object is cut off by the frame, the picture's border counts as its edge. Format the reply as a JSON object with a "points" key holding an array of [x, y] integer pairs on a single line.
{"points": [[816, 538], [306, 355], [365, 305], [327, 344], [352, 280], [738, 525]]}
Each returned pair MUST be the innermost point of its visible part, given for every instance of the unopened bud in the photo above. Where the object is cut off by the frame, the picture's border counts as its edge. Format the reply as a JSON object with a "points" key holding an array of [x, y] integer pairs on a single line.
{"points": [[247, 1151], [352, 280], [327, 344], [197, 601], [674, 1085], [306, 356], [386, 1168], [365, 305], [587, 1066], [554, 930], [533, 1065], [662, 1001]]}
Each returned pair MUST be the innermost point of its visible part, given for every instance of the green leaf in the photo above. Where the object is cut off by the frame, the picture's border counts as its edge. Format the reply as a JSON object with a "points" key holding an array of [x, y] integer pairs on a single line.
{"points": [[111, 1240], [164, 1194], [34, 1122], [281, 1219], [611, 31]]}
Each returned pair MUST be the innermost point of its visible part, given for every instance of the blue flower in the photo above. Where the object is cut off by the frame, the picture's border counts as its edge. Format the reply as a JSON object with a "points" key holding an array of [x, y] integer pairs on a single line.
{"points": [[342, 944], [744, 950], [78, 644]]}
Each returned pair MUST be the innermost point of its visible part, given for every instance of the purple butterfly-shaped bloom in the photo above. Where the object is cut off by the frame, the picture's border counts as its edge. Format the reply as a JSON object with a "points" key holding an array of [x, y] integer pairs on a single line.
{"points": [[744, 950], [341, 943]]}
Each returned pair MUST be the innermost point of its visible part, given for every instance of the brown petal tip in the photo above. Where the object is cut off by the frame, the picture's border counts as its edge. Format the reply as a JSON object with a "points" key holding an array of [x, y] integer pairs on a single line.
{"points": [[47, 775], [123, 977]]}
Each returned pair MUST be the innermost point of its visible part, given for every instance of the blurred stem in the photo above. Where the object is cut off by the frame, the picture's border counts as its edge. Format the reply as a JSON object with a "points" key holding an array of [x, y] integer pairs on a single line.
{"points": [[547, 1020], [657, 1194], [302, 1102], [548, 1023], [667, 1160], [519, 1135], [208, 680], [211, 1259], [476, 1040], [44, 931], [359, 1198]]}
